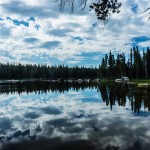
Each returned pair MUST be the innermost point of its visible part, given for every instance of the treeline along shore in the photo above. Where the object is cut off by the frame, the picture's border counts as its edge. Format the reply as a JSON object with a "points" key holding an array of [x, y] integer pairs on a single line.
{"points": [[136, 65], [28, 71]]}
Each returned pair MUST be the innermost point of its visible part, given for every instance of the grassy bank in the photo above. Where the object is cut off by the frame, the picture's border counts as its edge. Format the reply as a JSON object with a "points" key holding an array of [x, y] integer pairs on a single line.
{"points": [[141, 81], [105, 80]]}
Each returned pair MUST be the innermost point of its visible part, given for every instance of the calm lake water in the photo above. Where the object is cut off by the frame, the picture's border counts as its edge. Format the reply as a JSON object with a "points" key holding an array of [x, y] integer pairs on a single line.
{"points": [[62, 116]]}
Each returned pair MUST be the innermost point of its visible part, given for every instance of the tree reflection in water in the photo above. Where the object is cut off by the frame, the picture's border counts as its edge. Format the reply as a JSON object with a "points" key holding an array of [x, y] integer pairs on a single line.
{"points": [[40, 87], [111, 94], [74, 119]]}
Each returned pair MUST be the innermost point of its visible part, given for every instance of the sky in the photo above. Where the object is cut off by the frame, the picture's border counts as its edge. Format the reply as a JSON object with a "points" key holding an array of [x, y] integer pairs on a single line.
{"points": [[36, 32]]}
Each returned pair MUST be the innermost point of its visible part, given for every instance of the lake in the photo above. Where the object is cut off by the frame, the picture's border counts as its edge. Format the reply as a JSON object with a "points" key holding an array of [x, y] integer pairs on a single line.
{"points": [[77, 116]]}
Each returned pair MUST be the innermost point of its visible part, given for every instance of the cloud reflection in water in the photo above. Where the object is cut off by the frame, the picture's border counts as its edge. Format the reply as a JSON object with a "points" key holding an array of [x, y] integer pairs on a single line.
{"points": [[70, 120]]}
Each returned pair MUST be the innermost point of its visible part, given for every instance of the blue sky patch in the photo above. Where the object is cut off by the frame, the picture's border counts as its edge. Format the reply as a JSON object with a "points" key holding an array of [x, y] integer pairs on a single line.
{"points": [[31, 19], [1, 19], [134, 8], [18, 23], [22, 22], [137, 40]]}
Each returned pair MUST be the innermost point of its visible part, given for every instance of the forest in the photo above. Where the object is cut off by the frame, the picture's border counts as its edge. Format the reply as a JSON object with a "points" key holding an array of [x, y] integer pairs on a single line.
{"points": [[29, 71], [137, 66]]}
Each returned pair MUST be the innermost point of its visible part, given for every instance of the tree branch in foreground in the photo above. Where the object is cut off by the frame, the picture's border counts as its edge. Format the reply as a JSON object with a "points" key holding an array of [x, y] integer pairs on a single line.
{"points": [[103, 8]]}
